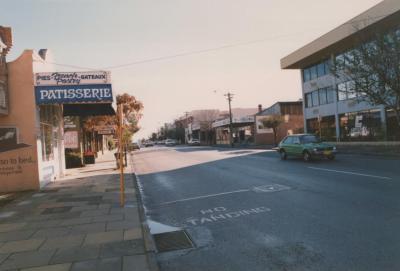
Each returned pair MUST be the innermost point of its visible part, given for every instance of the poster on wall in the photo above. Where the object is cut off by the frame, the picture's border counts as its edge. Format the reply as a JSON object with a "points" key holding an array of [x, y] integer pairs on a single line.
{"points": [[71, 140], [9, 139]]}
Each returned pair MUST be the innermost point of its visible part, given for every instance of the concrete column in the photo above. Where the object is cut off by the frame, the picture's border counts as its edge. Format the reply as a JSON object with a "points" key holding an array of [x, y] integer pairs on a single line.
{"points": [[383, 121], [304, 101], [337, 119], [337, 124]]}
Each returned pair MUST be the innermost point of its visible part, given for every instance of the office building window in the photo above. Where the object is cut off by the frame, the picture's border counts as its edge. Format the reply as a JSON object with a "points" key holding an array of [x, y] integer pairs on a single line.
{"points": [[315, 99], [322, 96], [315, 71], [330, 95], [308, 100]]}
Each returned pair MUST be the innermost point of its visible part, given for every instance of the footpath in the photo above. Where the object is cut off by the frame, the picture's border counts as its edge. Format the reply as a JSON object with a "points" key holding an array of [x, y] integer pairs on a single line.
{"points": [[76, 223]]}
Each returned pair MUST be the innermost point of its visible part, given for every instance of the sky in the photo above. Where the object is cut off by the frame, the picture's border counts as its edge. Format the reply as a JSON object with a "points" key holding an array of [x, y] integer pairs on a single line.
{"points": [[179, 55]]}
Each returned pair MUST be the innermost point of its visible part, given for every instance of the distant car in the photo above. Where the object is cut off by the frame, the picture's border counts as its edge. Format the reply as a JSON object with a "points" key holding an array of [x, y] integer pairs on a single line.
{"points": [[194, 142], [307, 146], [148, 144], [170, 142], [133, 146]]}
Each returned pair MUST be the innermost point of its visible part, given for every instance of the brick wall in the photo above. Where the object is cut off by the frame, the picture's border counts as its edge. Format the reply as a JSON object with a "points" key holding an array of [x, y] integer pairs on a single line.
{"points": [[295, 124]]}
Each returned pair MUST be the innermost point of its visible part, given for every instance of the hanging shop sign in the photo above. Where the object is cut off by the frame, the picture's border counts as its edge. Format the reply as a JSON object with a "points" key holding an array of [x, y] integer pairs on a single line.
{"points": [[72, 78], [108, 131], [73, 94]]}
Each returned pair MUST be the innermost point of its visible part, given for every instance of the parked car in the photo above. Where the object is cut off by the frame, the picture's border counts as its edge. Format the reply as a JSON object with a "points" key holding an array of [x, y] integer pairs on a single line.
{"points": [[307, 146], [170, 142], [148, 144], [194, 142], [133, 146]]}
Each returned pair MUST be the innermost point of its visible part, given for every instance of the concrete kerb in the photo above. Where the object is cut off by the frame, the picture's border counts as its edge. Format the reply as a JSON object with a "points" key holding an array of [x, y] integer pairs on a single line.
{"points": [[149, 244]]}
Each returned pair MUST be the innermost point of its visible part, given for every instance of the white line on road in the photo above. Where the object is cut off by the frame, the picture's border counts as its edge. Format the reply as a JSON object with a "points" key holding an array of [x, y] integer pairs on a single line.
{"points": [[206, 196], [351, 173]]}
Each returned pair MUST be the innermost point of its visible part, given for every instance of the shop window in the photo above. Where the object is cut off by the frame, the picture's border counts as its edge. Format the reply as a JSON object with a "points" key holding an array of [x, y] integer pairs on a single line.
{"points": [[48, 123], [312, 126], [361, 126], [393, 129], [46, 132]]}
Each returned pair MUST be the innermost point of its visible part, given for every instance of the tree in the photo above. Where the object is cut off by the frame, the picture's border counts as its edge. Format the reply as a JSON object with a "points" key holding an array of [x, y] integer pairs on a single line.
{"points": [[205, 118], [373, 71], [132, 112], [273, 122]]}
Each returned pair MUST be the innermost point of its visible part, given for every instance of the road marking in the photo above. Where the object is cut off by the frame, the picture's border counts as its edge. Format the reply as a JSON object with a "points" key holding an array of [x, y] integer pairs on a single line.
{"points": [[270, 188], [223, 215], [351, 173], [206, 196]]}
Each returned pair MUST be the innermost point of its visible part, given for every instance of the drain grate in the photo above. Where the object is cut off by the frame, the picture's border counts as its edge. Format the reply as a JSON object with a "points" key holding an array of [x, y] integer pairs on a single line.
{"points": [[174, 240], [270, 188], [56, 210]]}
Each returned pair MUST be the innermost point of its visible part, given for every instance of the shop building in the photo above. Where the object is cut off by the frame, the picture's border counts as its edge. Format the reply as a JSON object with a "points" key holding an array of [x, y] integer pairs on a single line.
{"points": [[329, 108], [291, 114], [243, 127], [32, 138]]}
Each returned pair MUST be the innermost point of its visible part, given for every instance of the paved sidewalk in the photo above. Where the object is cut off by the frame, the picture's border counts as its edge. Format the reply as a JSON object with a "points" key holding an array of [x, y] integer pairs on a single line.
{"points": [[75, 224]]}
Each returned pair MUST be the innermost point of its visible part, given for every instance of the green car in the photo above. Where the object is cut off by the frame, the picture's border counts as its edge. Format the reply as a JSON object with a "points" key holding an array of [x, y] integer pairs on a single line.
{"points": [[307, 146]]}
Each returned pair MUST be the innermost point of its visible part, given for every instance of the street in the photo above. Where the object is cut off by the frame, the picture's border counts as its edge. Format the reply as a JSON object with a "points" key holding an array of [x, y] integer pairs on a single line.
{"points": [[246, 209]]}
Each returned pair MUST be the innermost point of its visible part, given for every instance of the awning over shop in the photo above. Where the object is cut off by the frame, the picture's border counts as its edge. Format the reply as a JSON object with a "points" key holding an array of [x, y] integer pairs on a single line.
{"points": [[84, 110]]}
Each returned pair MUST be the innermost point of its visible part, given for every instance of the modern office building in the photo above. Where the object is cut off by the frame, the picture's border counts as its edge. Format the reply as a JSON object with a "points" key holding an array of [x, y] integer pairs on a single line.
{"points": [[329, 108]]}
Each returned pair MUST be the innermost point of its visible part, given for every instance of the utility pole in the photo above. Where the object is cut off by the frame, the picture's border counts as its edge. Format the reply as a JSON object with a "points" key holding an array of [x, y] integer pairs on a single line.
{"points": [[229, 97], [187, 125]]}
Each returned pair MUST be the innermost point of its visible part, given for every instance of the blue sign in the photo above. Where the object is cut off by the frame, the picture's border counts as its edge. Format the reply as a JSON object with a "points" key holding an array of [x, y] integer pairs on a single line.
{"points": [[98, 93]]}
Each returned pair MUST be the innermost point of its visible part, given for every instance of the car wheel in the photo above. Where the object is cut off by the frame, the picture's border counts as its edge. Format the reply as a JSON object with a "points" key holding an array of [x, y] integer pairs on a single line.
{"points": [[306, 156], [331, 157], [283, 155]]}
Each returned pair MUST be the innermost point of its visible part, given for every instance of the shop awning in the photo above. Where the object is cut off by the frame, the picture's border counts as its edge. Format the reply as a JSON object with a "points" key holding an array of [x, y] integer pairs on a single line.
{"points": [[84, 110]]}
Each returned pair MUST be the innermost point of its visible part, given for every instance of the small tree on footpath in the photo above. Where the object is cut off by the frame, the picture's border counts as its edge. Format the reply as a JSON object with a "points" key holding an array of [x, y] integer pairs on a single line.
{"points": [[132, 112], [273, 123]]}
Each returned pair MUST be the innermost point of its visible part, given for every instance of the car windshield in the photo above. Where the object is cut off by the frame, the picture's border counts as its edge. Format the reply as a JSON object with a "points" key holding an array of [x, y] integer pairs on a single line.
{"points": [[310, 139]]}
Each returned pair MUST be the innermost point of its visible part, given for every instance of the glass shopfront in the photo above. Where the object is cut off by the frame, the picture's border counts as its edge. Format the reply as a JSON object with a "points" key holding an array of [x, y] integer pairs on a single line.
{"points": [[325, 127], [361, 126], [50, 116]]}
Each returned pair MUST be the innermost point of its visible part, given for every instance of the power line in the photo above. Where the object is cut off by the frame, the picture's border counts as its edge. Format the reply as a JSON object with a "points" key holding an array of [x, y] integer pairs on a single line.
{"points": [[201, 51], [195, 52]]}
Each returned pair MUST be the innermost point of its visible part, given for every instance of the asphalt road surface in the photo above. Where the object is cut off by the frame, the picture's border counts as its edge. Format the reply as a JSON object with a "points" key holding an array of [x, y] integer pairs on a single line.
{"points": [[248, 210]]}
